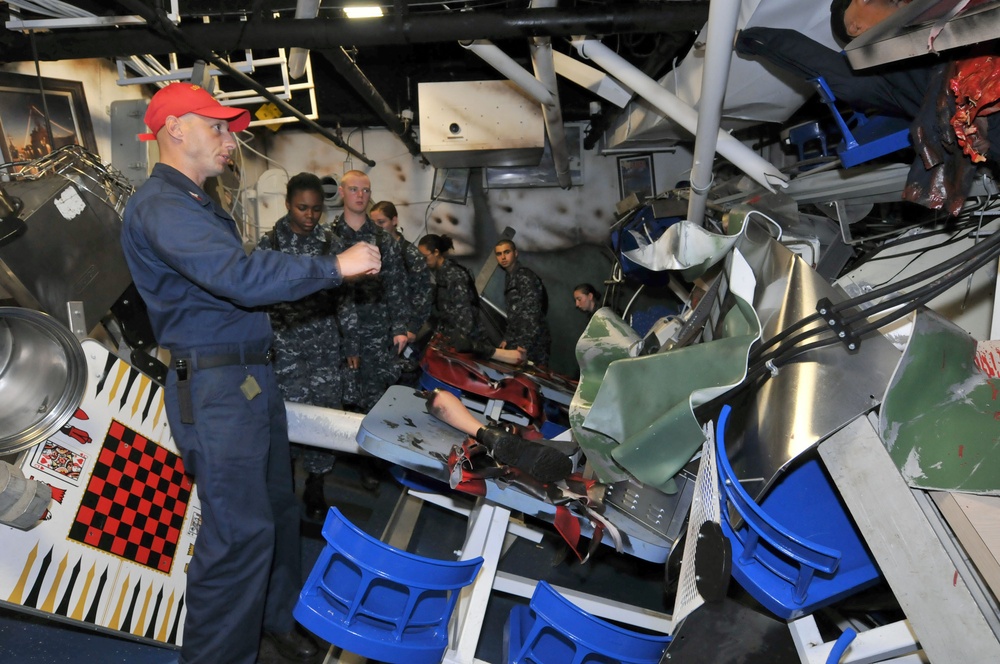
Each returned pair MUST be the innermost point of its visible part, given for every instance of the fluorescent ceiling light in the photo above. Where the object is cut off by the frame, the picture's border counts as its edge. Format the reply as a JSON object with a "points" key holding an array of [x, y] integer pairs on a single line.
{"points": [[363, 11]]}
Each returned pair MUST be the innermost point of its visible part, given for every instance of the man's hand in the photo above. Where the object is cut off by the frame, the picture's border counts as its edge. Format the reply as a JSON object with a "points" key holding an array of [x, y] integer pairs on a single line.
{"points": [[353, 361], [515, 357], [361, 259], [399, 341], [410, 337]]}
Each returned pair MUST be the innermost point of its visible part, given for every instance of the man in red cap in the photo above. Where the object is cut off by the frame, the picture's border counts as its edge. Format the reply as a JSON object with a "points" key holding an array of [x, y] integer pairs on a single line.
{"points": [[205, 298]]}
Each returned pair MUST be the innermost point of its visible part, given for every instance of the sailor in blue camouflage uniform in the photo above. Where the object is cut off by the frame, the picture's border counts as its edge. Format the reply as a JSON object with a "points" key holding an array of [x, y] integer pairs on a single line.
{"points": [[526, 302], [456, 302], [419, 287], [205, 298], [309, 360], [381, 302]]}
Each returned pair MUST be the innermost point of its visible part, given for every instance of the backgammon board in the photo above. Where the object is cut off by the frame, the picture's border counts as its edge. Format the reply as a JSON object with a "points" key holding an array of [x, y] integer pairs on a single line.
{"points": [[113, 549]]}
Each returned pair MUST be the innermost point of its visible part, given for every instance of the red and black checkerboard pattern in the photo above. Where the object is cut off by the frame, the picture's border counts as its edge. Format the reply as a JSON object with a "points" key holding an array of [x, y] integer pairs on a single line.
{"points": [[135, 500]]}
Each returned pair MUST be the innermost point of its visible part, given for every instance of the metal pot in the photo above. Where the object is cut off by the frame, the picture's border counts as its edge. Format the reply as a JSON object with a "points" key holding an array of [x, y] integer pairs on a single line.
{"points": [[43, 376]]}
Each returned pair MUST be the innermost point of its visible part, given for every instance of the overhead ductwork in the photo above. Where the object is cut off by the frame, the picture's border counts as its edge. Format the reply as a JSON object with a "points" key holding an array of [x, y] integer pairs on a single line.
{"points": [[321, 33]]}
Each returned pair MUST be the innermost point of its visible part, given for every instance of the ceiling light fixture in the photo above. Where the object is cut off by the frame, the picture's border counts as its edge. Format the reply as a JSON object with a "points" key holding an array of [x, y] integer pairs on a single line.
{"points": [[362, 11]]}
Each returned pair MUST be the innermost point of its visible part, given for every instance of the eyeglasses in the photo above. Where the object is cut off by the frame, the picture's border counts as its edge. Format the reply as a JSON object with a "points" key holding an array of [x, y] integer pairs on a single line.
{"points": [[355, 190]]}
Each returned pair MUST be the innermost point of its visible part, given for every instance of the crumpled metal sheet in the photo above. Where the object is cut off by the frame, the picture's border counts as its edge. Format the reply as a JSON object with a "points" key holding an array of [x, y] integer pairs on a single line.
{"points": [[643, 411], [812, 397], [939, 415], [685, 247], [755, 93]]}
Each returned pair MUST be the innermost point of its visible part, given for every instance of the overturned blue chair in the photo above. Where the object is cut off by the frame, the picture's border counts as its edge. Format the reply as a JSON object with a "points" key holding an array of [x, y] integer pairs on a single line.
{"points": [[378, 601], [797, 550], [871, 137], [553, 630]]}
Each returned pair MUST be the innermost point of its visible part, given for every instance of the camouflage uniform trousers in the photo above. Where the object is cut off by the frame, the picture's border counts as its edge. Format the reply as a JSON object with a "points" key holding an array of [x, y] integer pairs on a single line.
{"points": [[312, 375], [379, 368]]}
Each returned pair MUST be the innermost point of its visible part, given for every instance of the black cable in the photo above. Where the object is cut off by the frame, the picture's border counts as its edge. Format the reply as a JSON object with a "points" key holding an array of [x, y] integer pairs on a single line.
{"points": [[968, 261], [957, 236], [865, 298], [780, 336], [41, 90], [936, 287], [969, 253], [926, 296], [910, 302]]}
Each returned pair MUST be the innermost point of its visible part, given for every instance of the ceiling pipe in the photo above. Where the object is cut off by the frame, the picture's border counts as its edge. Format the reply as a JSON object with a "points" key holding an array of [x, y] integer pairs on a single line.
{"points": [[297, 56], [541, 87], [323, 33], [506, 65], [357, 79], [162, 23], [721, 31], [541, 58], [748, 161], [545, 71], [593, 79]]}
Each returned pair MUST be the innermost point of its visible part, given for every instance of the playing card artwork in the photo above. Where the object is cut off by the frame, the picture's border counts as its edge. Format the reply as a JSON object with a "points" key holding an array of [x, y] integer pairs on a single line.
{"points": [[113, 549]]}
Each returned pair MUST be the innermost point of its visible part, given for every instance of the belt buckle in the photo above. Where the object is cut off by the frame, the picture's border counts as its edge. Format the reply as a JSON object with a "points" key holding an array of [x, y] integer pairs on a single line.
{"points": [[269, 356]]}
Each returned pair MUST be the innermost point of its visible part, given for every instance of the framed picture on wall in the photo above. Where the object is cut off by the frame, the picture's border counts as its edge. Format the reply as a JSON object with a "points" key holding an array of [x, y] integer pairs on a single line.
{"points": [[635, 176], [26, 119], [543, 175], [451, 185]]}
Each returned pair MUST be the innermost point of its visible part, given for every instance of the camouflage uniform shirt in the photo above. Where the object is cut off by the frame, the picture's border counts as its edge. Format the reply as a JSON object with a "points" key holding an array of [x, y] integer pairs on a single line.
{"points": [[309, 354], [526, 302], [418, 285], [383, 312], [456, 302]]}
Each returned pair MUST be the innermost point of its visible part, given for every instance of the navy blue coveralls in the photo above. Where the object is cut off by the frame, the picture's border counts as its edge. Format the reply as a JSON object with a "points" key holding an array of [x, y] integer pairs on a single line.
{"points": [[203, 292]]}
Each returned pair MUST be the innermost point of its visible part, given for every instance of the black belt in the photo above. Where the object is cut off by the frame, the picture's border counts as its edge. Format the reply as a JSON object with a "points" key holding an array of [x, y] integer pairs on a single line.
{"points": [[228, 359]]}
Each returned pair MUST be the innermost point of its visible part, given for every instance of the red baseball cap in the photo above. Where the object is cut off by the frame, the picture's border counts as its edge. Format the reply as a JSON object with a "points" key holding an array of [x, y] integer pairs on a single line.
{"points": [[179, 98]]}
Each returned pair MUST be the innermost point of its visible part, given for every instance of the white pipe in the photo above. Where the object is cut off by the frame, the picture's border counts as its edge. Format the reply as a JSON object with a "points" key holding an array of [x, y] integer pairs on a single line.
{"points": [[758, 168], [592, 79], [297, 56], [504, 64], [545, 71], [722, 18], [328, 428]]}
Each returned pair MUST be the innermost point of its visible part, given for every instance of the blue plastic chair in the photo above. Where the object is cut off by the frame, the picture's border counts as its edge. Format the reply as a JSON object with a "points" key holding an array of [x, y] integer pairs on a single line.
{"points": [[797, 550], [552, 630], [377, 601], [871, 137]]}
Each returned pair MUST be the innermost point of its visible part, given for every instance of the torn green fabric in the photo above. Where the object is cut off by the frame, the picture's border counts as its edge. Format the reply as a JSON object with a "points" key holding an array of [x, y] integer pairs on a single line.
{"points": [[607, 338], [643, 413], [939, 415], [647, 404]]}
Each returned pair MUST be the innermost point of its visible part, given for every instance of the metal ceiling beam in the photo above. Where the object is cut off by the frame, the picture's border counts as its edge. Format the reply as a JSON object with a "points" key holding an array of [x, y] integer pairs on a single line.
{"points": [[323, 33], [350, 71], [162, 24]]}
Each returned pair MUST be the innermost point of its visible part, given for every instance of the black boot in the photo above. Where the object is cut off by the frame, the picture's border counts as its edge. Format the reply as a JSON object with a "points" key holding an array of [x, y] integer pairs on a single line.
{"points": [[542, 462], [312, 496]]}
